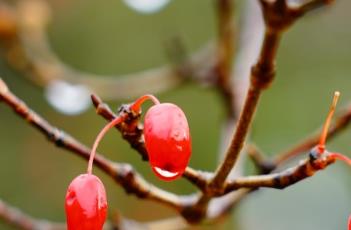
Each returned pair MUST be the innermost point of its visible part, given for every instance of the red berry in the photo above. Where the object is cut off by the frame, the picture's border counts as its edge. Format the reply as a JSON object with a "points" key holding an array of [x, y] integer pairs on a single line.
{"points": [[349, 223], [167, 140], [85, 204]]}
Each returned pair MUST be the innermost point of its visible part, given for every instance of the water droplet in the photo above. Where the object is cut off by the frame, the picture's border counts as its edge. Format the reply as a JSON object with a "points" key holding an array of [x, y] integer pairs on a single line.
{"points": [[146, 6], [67, 98], [165, 173]]}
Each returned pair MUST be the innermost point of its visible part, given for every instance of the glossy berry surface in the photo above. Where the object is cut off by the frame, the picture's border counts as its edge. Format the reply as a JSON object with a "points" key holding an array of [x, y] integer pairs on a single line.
{"points": [[167, 140], [85, 203]]}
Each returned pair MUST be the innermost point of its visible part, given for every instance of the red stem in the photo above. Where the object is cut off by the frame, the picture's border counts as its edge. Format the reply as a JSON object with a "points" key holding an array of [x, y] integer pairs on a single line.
{"points": [[137, 104], [342, 157], [321, 145], [135, 107], [102, 133]]}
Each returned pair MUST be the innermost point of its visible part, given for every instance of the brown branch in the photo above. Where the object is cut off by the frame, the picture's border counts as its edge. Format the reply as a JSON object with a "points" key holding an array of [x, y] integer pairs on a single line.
{"points": [[250, 38], [278, 17], [262, 164], [262, 75], [123, 174], [15, 217], [285, 178], [314, 4], [225, 52]]}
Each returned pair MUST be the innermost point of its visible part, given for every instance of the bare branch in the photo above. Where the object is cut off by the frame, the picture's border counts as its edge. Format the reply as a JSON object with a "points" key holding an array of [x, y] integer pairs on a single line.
{"points": [[225, 52], [278, 17], [285, 178], [261, 76], [314, 4], [21, 220], [250, 37], [262, 164], [17, 218]]}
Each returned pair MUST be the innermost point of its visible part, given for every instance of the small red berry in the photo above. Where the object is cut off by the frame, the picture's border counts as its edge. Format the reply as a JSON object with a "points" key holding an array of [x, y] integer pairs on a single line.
{"points": [[349, 228], [167, 140], [86, 205]]}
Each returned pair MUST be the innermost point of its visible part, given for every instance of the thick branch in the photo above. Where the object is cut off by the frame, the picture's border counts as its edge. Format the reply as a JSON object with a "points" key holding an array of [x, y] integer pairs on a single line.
{"points": [[261, 76], [250, 39], [278, 17]]}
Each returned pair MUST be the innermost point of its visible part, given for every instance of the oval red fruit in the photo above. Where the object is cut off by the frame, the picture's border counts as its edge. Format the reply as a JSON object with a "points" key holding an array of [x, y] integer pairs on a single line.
{"points": [[349, 223], [85, 203], [167, 140]]}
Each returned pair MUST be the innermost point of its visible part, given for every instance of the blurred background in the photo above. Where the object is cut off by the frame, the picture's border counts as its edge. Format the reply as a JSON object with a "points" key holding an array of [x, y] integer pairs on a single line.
{"points": [[111, 37]]}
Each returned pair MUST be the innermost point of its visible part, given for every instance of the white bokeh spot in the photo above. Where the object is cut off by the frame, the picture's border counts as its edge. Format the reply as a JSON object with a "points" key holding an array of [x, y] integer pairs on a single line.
{"points": [[67, 98], [146, 6]]}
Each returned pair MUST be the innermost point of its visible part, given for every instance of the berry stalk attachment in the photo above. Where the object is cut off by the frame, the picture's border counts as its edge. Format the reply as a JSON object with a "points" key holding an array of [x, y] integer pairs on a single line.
{"points": [[320, 149], [167, 138]]}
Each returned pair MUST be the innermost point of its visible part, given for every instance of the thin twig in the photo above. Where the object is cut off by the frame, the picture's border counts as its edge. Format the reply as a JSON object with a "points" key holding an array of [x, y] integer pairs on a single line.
{"points": [[288, 177], [314, 4], [262, 164], [21, 220], [225, 52], [339, 125]]}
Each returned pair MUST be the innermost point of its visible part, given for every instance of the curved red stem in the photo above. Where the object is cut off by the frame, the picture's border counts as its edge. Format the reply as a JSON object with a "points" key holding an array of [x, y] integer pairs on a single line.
{"points": [[137, 104], [102, 133], [321, 145], [340, 156], [134, 107]]}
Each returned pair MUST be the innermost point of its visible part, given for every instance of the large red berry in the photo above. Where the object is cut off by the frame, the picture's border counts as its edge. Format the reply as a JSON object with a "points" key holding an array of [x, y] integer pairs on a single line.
{"points": [[85, 203], [167, 140], [349, 223]]}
